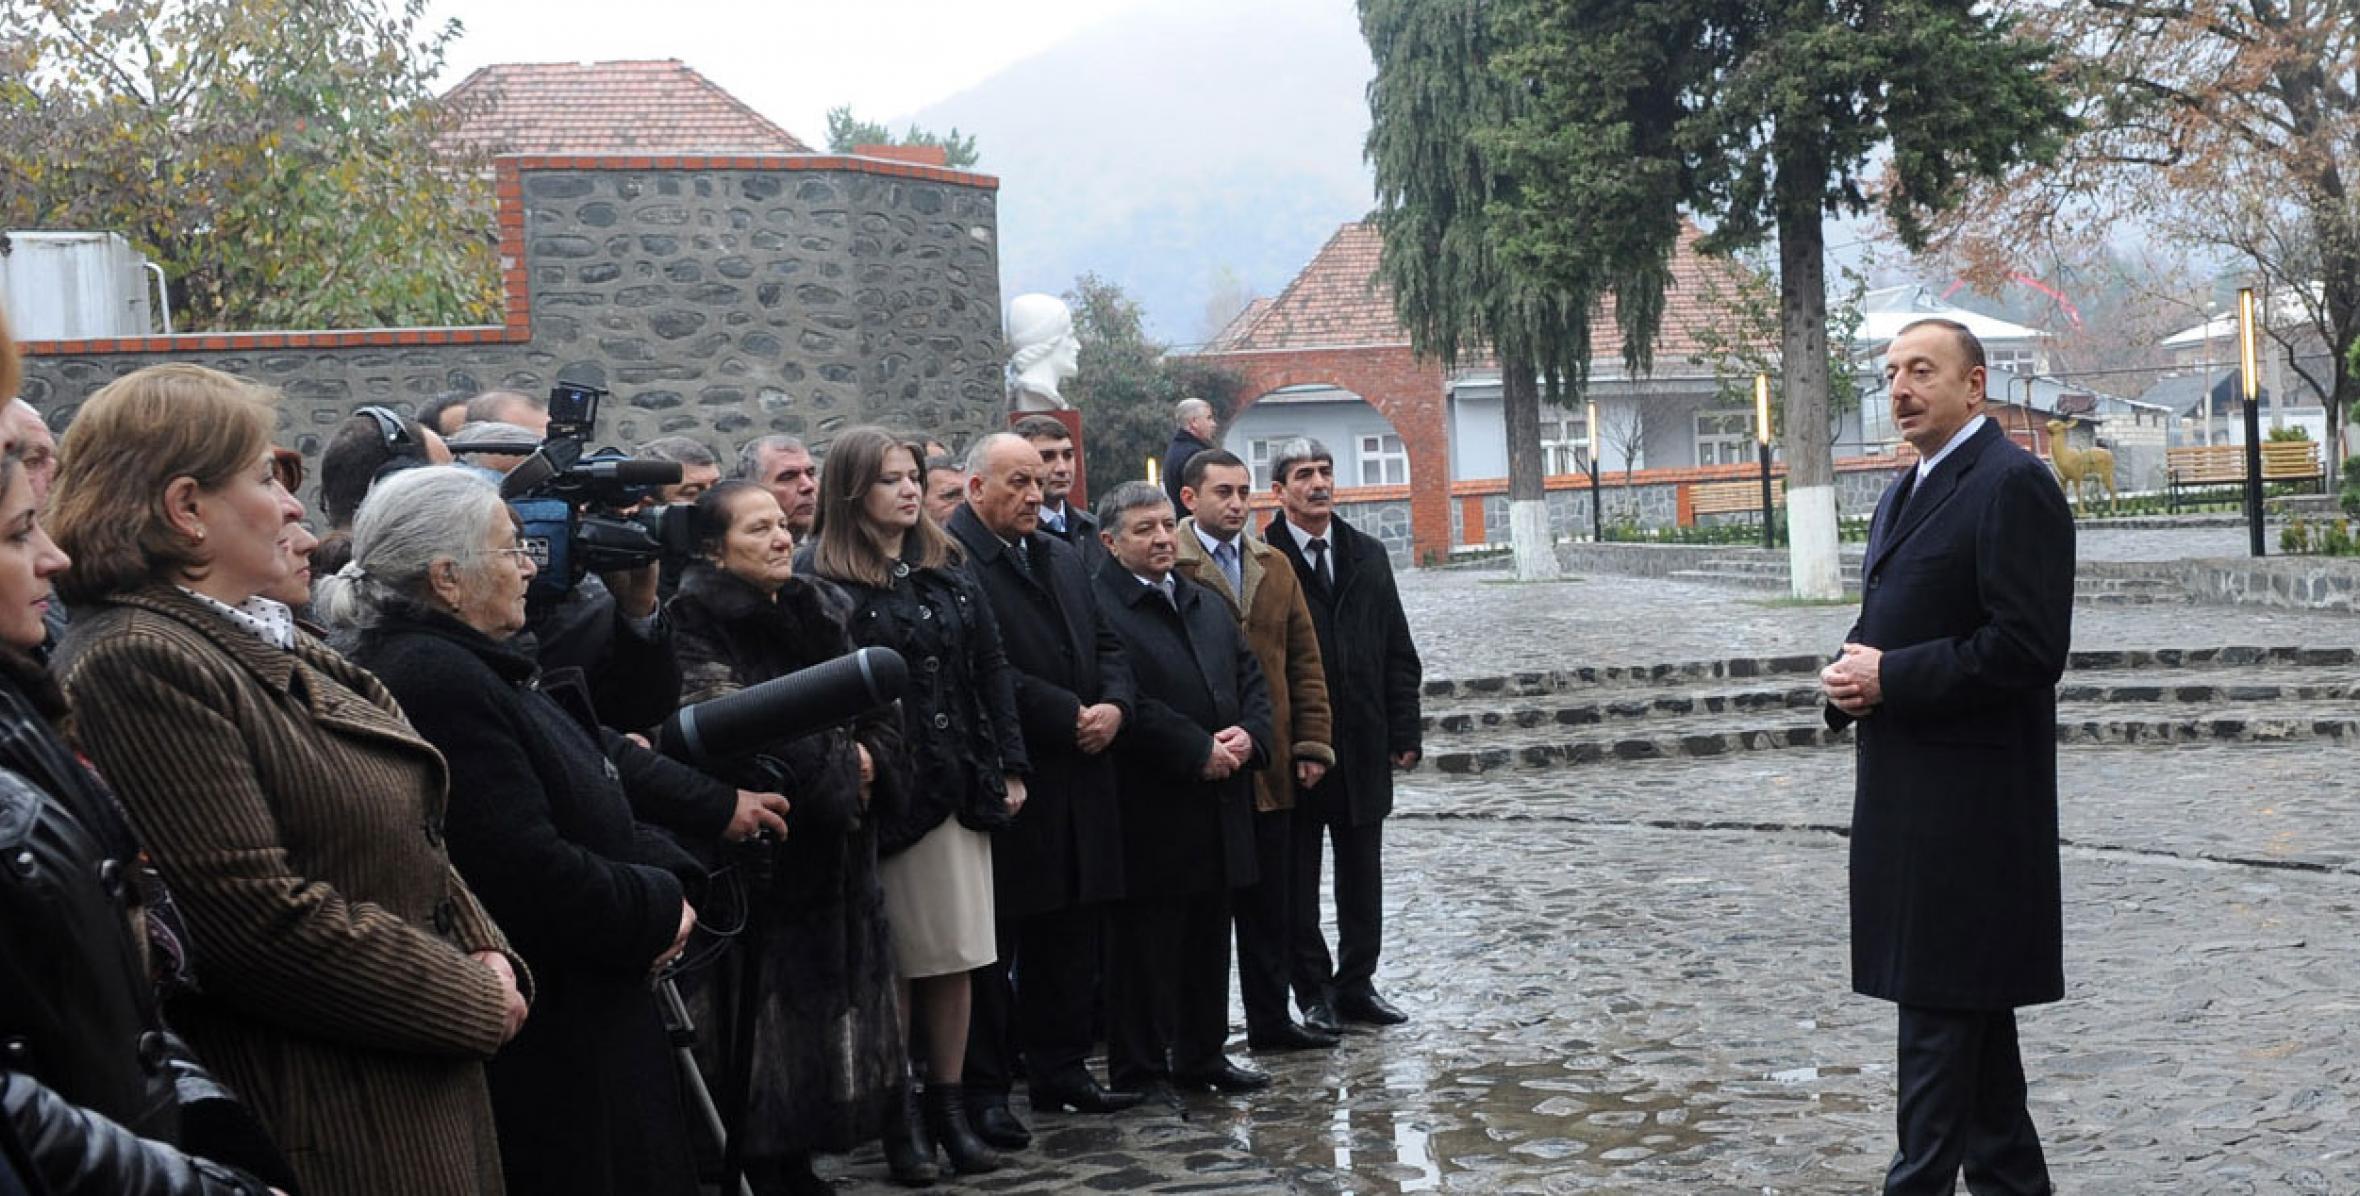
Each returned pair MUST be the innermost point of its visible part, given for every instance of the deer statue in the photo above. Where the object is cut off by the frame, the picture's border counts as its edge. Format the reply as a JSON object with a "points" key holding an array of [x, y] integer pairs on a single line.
{"points": [[2078, 469]]}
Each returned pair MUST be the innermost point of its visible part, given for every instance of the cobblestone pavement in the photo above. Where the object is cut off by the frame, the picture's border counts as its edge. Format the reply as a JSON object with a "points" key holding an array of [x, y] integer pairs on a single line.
{"points": [[1631, 976]]}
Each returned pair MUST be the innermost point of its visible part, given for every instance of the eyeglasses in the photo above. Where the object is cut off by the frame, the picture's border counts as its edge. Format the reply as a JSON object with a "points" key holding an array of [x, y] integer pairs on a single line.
{"points": [[520, 554]]}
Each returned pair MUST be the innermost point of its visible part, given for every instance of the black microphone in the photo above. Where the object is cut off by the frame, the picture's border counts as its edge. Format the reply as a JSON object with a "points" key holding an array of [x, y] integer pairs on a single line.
{"points": [[787, 707]]}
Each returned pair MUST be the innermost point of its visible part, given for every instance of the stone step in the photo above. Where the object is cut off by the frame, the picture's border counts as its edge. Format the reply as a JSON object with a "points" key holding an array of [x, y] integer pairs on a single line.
{"points": [[1706, 672], [2076, 725], [2091, 687]]}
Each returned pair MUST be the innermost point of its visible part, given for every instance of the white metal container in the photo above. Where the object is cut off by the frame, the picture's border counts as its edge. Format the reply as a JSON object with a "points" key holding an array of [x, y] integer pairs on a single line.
{"points": [[73, 286]]}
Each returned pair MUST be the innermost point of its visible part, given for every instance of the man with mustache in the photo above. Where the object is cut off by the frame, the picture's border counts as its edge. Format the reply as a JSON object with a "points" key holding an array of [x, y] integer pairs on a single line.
{"points": [[1950, 675], [1373, 670]]}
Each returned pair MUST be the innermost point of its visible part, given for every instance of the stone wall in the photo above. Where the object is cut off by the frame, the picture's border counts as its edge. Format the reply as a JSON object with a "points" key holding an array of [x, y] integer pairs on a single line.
{"points": [[1656, 504], [719, 298]]}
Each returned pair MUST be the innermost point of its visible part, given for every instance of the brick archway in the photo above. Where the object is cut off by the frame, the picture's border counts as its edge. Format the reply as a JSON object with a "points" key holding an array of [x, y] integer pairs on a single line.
{"points": [[1405, 390]]}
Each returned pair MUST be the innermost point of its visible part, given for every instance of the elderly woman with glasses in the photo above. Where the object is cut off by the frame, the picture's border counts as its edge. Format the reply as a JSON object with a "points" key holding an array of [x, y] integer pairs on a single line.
{"points": [[349, 985], [586, 1099]]}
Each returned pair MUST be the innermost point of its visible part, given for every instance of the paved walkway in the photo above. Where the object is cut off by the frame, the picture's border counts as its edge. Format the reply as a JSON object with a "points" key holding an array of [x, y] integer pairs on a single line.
{"points": [[1631, 976]]}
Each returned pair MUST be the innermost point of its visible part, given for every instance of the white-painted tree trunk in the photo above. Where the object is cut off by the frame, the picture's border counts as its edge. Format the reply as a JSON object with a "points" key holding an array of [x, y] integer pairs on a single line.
{"points": [[1528, 534], [1812, 559]]}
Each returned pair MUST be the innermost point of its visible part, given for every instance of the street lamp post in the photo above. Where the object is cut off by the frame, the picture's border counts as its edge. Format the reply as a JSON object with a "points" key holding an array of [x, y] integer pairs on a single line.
{"points": [[1597, 501], [2248, 366], [1762, 444]]}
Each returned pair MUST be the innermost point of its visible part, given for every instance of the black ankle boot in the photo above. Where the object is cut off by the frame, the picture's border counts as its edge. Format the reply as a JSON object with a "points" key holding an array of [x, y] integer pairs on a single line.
{"points": [[946, 1115], [909, 1153]]}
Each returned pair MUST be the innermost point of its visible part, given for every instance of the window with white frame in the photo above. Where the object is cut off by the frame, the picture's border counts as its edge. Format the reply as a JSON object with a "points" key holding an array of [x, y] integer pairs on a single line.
{"points": [[1724, 437], [1383, 462], [1565, 444], [1259, 454], [2022, 361]]}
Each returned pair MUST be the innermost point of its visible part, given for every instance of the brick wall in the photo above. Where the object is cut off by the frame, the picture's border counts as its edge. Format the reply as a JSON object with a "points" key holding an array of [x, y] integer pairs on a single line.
{"points": [[719, 297]]}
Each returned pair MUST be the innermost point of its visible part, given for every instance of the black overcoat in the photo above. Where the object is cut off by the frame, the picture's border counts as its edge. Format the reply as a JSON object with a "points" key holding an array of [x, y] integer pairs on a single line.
{"points": [[960, 740], [1373, 672], [586, 1096], [1065, 846], [1196, 674], [1968, 592], [1081, 535]]}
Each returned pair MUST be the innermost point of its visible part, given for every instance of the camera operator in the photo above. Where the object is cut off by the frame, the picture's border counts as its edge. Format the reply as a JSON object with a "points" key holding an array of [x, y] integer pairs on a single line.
{"points": [[610, 626], [586, 1098], [371, 444]]}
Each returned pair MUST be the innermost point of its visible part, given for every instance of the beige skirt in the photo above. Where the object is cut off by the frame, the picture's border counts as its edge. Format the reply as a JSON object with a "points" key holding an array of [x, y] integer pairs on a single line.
{"points": [[938, 902]]}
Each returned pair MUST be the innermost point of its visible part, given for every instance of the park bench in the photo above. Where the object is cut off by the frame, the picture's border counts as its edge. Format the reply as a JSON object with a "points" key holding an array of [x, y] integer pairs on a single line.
{"points": [[1729, 498], [2224, 465]]}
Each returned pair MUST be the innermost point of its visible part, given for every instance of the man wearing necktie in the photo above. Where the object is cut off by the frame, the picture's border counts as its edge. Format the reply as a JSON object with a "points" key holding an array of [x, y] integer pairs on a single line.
{"points": [[1950, 681], [1200, 730], [1061, 519], [1261, 590], [1058, 866], [1373, 675]]}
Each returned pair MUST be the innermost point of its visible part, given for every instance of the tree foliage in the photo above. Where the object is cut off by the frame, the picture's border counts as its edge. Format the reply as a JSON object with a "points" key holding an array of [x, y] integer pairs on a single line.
{"points": [[1762, 117], [847, 132], [1127, 385], [2230, 125], [277, 157], [1736, 346]]}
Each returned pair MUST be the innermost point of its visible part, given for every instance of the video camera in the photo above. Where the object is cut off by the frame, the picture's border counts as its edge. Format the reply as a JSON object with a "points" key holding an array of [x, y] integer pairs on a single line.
{"points": [[583, 512]]}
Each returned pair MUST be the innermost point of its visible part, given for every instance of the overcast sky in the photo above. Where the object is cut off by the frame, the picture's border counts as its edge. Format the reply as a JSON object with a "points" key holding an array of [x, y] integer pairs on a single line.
{"points": [[792, 60]]}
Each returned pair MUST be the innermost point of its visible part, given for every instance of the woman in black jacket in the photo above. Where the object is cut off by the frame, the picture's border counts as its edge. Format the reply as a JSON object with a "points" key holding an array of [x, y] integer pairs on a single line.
{"points": [[586, 1098], [96, 1096], [961, 773], [827, 1056]]}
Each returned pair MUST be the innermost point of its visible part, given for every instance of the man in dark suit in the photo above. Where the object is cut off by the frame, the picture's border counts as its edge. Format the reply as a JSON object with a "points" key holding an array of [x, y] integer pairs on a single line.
{"points": [[1057, 865], [1192, 435], [1950, 677], [1059, 518], [1373, 674], [1200, 727]]}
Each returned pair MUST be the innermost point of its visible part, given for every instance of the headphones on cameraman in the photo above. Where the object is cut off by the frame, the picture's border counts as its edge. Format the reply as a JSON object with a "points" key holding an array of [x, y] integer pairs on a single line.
{"points": [[402, 447]]}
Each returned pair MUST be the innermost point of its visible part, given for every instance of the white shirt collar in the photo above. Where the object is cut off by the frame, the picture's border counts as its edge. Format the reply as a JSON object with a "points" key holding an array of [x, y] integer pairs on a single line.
{"points": [[1062, 513], [1303, 538], [1926, 465], [271, 622]]}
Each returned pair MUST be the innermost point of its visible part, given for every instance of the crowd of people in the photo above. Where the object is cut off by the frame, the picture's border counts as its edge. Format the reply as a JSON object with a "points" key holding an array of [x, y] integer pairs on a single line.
{"points": [[342, 858]]}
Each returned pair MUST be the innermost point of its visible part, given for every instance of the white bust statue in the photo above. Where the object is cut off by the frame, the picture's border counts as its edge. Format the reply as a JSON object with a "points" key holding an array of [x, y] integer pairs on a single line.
{"points": [[1043, 352]]}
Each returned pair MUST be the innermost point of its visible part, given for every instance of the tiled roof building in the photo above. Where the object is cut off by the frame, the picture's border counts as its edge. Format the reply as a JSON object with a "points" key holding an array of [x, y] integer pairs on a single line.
{"points": [[660, 106]]}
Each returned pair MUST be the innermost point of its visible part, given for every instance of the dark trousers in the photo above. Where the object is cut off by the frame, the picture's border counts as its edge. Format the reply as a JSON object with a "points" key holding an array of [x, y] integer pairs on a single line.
{"points": [[1037, 998], [1962, 1104], [1167, 998], [1265, 916], [1360, 899]]}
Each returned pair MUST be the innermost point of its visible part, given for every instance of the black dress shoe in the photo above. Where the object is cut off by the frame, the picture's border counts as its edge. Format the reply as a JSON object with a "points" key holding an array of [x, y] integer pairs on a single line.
{"points": [[1291, 1037], [994, 1123], [1079, 1092], [1318, 1016], [1226, 1077], [1370, 1008]]}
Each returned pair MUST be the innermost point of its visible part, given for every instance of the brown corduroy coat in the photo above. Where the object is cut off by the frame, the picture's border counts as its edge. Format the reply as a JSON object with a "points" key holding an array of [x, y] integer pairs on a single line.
{"points": [[1278, 627], [297, 820]]}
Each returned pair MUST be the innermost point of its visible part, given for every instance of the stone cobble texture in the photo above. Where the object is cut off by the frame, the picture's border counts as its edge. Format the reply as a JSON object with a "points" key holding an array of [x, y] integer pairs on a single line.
{"points": [[1632, 976]]}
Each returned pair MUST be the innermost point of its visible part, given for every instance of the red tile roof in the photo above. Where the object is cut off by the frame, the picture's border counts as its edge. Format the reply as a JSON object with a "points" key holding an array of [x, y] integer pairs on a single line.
{"points": [[1237, 326], [637, 107], [1338, 301]]}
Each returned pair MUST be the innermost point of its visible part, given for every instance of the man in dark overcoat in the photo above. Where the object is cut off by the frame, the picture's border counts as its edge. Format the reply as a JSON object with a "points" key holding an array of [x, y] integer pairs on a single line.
{"points": [[1057, 865], [1192, 433], [1059, 517], [1185, 762], [1950, 679], [1373, 675]]}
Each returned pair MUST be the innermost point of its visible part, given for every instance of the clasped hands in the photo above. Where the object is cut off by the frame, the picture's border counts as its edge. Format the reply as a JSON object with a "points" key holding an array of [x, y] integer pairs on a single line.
{"points": [[1094, 727], [1854, 684], [1232, 749]]}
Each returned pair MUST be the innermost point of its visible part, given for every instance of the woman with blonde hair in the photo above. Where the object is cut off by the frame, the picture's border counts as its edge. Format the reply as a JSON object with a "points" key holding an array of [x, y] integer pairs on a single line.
{"points": [[351, 985], [960, 773]]}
